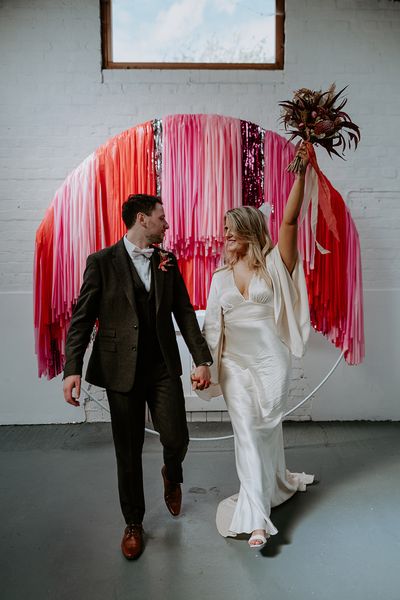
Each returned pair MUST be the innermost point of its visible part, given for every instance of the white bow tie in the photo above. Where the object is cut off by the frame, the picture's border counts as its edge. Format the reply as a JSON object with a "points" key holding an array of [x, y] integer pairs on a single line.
{"points": [[147, 252]]}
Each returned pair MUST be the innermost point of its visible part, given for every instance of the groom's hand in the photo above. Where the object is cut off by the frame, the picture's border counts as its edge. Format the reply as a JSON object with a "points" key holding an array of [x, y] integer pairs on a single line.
{"points": [[201, 378], [71, 382]]}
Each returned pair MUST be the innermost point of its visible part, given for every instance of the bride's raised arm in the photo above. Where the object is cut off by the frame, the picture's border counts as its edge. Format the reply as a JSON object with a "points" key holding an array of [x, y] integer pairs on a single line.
{"points": [[287, 238]]}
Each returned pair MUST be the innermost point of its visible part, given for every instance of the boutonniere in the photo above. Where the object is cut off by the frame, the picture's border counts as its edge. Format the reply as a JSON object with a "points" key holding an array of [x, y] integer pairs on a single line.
{"points": [[165, 261]]}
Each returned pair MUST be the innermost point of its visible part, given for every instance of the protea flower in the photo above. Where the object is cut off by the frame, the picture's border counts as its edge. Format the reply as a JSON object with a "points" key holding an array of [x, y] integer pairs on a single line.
{"points": [[324, 126]]}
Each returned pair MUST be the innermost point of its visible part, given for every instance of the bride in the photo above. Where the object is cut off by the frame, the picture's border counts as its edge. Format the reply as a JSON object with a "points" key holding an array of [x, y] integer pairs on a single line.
{"points": [[257, 315]]}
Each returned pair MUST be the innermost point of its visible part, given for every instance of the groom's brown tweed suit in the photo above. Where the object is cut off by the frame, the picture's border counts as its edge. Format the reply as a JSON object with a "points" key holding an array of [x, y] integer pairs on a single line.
{"points": [[135, 357]]}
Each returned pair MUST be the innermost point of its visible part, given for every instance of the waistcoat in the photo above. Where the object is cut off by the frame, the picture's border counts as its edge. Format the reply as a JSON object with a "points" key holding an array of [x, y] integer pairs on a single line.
{"points": [[148, 344]]}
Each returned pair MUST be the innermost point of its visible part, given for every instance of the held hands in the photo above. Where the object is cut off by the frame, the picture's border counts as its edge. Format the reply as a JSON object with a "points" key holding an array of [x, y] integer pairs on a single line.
{"points": [[71, 382], [201, 378]]}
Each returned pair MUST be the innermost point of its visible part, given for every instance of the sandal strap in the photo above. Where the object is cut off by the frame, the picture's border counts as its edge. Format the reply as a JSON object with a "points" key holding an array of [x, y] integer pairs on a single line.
{"points": [[258, 538]]}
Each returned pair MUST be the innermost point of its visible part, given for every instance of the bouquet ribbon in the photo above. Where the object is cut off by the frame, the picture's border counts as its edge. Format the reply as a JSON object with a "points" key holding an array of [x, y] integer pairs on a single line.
{"points": [[318, 192]]}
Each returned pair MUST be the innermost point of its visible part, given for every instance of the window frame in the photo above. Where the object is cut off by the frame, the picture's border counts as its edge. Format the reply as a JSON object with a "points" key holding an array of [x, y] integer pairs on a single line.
{"points": [[108, 63]]}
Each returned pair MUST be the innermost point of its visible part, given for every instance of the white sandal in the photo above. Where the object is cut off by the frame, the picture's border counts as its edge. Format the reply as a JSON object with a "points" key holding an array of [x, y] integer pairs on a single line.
{"points": [[257, 538]]}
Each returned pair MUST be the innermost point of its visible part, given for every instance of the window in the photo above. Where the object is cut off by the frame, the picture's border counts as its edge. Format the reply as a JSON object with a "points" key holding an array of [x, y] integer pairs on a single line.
{"points": [[192, 34]]}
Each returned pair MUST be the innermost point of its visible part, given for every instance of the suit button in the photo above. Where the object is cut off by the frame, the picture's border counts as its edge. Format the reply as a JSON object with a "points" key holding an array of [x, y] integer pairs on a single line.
{"points": [[134, 348], [134, 326]]}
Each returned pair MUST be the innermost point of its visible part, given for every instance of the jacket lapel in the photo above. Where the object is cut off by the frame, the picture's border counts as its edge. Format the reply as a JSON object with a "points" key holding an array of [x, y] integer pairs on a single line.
{"points": [[122, 266]]}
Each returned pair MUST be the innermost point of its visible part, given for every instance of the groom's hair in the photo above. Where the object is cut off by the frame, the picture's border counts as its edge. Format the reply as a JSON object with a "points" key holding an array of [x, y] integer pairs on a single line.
{"points": [[138, 203]]}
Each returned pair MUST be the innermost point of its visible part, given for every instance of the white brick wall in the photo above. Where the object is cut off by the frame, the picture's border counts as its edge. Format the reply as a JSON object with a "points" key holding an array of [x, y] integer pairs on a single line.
{"points": [[377, 214], [56, 107]]}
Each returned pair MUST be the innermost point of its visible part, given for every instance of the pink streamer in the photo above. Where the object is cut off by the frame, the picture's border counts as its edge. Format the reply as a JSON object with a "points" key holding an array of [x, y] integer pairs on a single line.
{"points": [[201, 179]]}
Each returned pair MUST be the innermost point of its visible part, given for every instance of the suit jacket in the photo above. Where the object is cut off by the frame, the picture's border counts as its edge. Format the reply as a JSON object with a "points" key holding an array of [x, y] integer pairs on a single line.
{"points": [[107, 295]]}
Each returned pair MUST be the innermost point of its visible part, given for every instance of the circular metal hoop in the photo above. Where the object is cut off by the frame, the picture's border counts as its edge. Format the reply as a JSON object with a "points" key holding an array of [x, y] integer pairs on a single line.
{"points": [[228, 437]]}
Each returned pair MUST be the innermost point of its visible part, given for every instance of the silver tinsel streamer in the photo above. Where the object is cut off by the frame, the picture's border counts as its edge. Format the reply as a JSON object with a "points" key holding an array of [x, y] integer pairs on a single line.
{"points": [[158, 142]]}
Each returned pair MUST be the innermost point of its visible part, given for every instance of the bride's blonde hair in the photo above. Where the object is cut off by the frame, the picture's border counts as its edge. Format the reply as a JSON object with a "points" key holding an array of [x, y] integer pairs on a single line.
{"points": [[250, 226]]}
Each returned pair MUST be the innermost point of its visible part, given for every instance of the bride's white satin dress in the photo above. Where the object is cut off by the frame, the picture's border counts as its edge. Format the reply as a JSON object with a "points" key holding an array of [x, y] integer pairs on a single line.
{"points": [[251, 341]]}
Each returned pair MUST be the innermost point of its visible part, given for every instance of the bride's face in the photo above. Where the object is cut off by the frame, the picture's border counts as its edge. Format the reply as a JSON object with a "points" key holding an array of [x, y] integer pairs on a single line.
{"points": [[234, 244]]}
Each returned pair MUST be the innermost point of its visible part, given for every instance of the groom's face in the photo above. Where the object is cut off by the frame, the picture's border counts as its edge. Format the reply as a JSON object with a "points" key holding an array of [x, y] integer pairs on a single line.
{"points": [[156, 225]]}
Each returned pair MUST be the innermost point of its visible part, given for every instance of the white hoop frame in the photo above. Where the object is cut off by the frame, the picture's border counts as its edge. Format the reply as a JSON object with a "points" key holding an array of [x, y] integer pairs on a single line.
{"points": [[228, 437]]}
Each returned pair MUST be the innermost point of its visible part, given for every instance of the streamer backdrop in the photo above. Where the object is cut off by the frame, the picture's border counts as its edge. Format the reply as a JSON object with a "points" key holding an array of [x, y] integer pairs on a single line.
{"points": [[202, 165]]}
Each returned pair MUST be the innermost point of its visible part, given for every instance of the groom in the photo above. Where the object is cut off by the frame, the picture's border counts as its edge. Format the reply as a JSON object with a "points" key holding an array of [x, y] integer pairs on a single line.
{"points": [[132, 289]]}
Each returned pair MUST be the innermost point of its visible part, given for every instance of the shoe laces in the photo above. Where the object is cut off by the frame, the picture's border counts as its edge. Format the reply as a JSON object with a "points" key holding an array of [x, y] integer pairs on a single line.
{"points": [[132, 529]]}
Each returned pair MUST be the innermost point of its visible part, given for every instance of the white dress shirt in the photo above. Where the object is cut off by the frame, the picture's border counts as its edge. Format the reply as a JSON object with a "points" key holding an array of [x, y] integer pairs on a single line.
{"points": [[141, 263]]}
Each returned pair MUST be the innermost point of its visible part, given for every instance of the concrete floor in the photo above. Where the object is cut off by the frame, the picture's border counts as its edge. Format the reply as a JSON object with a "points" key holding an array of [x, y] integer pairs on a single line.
{"points": [[61, 526]]}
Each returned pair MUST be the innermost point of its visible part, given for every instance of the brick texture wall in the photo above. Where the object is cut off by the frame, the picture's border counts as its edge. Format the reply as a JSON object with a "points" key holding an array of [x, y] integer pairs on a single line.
{"points": [[57, 106]]}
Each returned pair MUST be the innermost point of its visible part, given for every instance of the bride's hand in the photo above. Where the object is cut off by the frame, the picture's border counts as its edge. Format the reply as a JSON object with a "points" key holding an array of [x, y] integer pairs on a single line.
{"points": [[303, 154], [201, 378]]}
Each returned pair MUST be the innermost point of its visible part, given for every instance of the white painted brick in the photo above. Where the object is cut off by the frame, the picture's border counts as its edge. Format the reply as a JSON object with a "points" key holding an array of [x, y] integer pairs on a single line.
{"points": [[199, 416], [56, 107]]}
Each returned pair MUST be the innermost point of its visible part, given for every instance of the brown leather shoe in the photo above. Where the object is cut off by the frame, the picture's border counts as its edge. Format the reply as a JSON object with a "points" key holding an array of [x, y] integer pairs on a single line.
{"points": [[172, 494], [132, 542]]}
